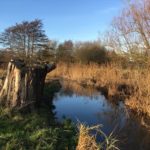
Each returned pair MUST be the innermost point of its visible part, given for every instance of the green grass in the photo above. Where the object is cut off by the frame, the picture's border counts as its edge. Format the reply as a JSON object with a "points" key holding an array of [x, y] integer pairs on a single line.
{"points": [[35, 131], [39, 130]]}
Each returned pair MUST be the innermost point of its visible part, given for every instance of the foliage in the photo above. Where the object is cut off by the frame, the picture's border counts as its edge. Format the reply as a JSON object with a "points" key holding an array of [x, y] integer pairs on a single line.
{"points": [[36, 130], [65, 51], [25, 38], [48, 53], [91, 52]]}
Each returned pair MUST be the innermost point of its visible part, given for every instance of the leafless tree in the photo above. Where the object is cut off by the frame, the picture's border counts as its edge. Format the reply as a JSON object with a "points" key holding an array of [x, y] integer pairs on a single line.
{"points": [[131, 30]]}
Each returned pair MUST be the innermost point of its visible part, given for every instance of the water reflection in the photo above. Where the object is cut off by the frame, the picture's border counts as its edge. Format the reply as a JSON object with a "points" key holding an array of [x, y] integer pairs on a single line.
{"points": [[70, 88], [89, 106], [134, 135]]}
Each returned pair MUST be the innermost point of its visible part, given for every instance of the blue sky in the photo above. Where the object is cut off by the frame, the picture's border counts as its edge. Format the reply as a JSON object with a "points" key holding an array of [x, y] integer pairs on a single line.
{"points": [[63, 19]]}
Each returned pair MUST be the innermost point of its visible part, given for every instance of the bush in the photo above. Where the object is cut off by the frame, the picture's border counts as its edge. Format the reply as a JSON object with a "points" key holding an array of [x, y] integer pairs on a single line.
{"points": [[119, 59], [65, 52], [91, 52]]}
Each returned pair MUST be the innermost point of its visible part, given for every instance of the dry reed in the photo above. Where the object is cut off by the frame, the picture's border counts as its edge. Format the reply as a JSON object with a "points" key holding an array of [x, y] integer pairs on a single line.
{"points": [[132, 84], [88, 141]]}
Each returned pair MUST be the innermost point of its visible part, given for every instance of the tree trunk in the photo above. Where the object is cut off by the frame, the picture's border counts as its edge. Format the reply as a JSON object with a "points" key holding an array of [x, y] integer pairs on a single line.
{"points": [[24, 84]]}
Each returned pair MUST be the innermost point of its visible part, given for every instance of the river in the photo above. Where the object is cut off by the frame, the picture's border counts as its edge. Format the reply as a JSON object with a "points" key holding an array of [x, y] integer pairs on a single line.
{"points": [[88, 106]]}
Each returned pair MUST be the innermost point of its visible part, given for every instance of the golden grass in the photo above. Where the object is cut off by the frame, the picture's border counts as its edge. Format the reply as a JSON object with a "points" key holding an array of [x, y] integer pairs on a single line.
{"points": [[88, 141], [133, 84]]}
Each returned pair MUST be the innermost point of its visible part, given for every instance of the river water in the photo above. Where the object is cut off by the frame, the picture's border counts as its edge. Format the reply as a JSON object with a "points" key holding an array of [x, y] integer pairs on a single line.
{"points": [[88, 106]]}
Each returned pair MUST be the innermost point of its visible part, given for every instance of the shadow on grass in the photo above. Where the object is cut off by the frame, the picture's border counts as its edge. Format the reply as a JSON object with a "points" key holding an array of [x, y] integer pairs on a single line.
{"points": [[36, 129]]}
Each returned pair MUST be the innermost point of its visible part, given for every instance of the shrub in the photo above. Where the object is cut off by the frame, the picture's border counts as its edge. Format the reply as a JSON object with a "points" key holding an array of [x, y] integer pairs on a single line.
{"points": [[91, 52], [65, 51]]}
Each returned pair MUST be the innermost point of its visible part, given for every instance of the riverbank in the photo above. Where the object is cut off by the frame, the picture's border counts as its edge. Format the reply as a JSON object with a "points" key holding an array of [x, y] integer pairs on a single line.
{"points": [[39, 128], [35, 130], [128, 85], [114, 82]]}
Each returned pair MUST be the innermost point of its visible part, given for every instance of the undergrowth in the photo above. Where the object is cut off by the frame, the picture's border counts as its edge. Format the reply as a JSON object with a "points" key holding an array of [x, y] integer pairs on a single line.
{"points": [[35, 131], [38, 129]]}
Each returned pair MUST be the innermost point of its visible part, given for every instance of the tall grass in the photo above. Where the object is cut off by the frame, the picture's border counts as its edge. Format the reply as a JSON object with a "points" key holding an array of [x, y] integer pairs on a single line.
{"points": [[131, 85], [87, 141]]}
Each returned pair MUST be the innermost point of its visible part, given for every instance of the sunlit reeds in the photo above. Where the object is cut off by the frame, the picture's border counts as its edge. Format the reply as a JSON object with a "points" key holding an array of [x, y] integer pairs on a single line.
{"points": [[133, 84], [87, 141]]}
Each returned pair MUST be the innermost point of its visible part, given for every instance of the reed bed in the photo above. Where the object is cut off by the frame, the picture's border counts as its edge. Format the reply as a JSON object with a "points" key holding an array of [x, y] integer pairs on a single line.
{"points": [[130, 85]]}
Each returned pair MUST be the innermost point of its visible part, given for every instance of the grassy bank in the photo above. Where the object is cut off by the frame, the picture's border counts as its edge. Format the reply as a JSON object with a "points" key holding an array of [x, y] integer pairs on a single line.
{"points": [[36, 130], [130, 85]]}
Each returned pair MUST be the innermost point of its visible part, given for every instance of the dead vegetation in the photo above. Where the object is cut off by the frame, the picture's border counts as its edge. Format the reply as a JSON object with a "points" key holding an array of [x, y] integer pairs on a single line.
{"points": [[88, 141], [129, 85]]}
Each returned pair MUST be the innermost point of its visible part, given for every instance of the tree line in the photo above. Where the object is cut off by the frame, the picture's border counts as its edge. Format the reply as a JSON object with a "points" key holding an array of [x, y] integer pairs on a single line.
{"points": [[27, 40], [127, 40]]}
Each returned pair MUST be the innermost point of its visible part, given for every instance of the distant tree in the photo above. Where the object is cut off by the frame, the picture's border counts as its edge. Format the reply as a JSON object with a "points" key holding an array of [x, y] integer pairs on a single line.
{"points": [[65, 51], [68, 45], [89, 52], [48, 52], [26, 37], [131, 29]]}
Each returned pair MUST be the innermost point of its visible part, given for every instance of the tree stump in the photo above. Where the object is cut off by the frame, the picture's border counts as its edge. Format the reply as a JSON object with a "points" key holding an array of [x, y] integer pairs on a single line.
{"points": [[24, 84]]}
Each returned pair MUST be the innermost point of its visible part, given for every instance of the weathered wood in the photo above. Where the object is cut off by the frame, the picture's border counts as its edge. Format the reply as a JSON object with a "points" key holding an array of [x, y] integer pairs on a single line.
{"points": [[24, 83]]}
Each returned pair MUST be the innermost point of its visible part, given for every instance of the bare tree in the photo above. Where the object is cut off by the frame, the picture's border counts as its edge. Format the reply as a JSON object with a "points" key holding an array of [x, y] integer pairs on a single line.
{"points": [[131, 29]]}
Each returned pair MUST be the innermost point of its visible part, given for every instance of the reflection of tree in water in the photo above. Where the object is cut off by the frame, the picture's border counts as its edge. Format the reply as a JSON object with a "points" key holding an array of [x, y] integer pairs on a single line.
{"points": [[131, 134], [67, 91], [134, 134], [114, 115], [69, 88]]}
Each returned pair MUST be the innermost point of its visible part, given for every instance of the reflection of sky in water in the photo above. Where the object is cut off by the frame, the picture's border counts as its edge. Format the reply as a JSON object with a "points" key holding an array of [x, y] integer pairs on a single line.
{"points": [[88, 106], [90, 110]]}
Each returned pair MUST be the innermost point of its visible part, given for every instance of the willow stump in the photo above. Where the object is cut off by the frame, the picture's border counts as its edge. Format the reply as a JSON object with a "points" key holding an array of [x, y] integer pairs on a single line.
{"points": [[24, 84]]}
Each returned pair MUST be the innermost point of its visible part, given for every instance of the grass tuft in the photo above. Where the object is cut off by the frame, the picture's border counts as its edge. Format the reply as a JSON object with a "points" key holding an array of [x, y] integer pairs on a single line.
{"points": [[88, 141]]}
